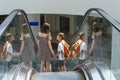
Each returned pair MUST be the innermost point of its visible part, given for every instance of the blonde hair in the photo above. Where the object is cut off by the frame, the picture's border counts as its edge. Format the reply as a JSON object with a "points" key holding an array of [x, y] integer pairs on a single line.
{"points": [[81, 34]]}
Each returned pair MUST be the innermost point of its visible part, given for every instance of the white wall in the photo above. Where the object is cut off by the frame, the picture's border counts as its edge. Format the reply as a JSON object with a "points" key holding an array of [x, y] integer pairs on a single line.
{"points": [[61, 6], [35, 18]]}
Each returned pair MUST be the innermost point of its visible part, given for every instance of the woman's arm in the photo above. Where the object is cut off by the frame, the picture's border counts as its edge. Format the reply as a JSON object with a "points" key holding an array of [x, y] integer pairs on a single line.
{"points": [[38, 39], [22, 46], [50, 47], [89, 52], [92, 45], [38, 43]]}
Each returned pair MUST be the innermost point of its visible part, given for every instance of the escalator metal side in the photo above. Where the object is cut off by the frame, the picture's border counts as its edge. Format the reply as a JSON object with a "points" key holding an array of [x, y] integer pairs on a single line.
{"points": [[92, 71], [86, 75], [22, 73], [19, 72], [11, 74], [89, 70], [105, 71], [7, 21], [96, 70]]}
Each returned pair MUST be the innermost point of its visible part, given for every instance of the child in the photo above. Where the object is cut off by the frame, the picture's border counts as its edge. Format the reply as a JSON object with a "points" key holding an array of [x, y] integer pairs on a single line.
{"points": [[60, 54], [9, 50], [83, 52]]}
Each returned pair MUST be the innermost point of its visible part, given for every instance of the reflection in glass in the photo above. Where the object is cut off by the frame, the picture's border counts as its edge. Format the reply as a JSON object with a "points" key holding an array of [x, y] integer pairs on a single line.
{"points": [[102, 30], [102, 34], [16, 29]]}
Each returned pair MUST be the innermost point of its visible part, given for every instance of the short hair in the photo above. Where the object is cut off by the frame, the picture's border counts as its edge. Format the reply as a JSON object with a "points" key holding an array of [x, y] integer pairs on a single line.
{"points": [[61, 35], [8, 35], [81, 34], [45, 28]]}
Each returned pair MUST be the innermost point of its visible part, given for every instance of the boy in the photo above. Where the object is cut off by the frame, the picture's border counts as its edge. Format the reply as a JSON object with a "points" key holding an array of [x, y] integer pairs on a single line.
{"points": [[60, 54], [9, 50], [83, 52]]}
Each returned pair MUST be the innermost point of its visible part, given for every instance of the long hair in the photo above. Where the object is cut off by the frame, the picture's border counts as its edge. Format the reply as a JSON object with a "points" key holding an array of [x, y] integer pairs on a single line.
{"points": [[96, 27], [25, 28], [45, 28]]}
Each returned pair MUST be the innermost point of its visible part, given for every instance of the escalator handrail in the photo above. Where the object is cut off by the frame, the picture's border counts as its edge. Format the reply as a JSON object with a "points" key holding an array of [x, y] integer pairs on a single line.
{"points": [[4, 25], [103, 14]]}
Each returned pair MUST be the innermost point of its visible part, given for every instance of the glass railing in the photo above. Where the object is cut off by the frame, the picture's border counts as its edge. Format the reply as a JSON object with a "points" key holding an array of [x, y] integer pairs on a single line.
{"points": [[106, 35], [15, 24]]}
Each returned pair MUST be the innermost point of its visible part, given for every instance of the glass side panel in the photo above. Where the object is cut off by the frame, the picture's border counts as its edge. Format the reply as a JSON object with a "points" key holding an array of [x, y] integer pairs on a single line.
{"points": [[106, 46], [21, 33], [115, 55]]}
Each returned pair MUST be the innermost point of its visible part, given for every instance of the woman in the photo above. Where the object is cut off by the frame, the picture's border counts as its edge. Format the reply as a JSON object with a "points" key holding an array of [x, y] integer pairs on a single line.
{"points": [[27, 49], [45, 48], [97, 51]]}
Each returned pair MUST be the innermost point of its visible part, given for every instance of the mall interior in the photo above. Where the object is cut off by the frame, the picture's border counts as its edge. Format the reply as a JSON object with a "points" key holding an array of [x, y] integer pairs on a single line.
{"points": [[71, 21]]}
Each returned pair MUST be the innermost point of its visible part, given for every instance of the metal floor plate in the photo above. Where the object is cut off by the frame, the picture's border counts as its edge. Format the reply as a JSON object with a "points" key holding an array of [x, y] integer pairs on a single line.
{"points": [[57, 76]]}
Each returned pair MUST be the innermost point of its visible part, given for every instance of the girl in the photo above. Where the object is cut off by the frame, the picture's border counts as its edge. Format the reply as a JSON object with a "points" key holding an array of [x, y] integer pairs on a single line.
{"points": [[27, 49], [45, 48]]}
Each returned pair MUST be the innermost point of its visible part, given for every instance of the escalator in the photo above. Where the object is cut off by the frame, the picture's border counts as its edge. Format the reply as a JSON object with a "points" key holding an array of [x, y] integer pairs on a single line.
{"points": [[101, 67]]}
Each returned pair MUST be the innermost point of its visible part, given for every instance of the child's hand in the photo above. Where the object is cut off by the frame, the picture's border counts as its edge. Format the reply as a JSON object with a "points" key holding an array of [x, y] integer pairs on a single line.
{"points": [[56, 55], [53, 55]]}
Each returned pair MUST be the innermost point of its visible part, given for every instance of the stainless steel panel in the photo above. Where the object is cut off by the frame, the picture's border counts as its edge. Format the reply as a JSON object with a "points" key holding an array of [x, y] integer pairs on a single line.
{"points": [[92, 71], [22, 73], [10, 75], [19, 72], [105, 71], [57, 76]]}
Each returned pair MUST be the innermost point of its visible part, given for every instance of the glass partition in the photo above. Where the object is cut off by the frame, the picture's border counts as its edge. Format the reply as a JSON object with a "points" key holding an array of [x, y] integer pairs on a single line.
{"points": [[21, 32], [106, 47]]}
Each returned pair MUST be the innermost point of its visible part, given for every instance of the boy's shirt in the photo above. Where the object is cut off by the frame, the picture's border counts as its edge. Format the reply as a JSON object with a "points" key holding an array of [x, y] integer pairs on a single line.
{"points": [[61, 50], [83, 47], [9, 49]]}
